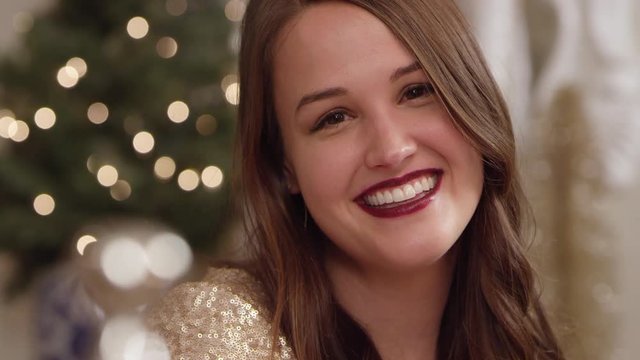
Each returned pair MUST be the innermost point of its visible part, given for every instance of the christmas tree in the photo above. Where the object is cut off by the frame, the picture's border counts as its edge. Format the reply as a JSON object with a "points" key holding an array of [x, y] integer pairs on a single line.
{"points": [[117, 109]]}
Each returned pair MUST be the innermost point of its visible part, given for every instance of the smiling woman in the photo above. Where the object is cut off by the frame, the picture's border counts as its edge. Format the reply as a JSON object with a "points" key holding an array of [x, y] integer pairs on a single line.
{"points": [[376, 164]]}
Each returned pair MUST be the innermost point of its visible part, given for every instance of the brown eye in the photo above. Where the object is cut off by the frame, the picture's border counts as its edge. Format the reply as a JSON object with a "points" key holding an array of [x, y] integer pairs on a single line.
{"points": [[418, 91], [331, 119]]}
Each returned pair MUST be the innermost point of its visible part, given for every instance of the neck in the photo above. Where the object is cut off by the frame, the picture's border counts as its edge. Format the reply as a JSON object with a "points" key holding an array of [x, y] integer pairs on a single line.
{"points": [[400, 310]]}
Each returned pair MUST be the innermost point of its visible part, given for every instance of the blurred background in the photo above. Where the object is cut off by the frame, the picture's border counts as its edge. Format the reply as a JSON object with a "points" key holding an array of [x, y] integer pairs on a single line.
{"points": [[116, 123]]}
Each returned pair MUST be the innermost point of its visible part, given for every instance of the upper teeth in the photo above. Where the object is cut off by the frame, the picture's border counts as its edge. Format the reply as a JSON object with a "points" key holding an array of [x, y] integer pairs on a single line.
{"points": [[402, 192]]}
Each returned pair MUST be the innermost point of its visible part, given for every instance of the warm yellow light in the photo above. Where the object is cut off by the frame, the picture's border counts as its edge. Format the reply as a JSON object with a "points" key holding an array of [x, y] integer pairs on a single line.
{"points": [[68, 77], [44, 204], [228, 80], [167, 47], [212, 176], [232, 93], [138, 27], [98, 113], [83, 242], [234, 10], [206, 124], [107, 175], [178, 111], [18, 131], [176, 7], [143, 142], [6, 122], [22, 22], [45, 118], [164, 167], [121, 190], [188, 180], [79, 65]]}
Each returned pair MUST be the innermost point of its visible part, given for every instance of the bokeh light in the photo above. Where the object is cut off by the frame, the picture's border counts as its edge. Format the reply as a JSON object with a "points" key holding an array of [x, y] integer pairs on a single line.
{"points": [[137, 27], [143, 142], [68, 77], [123, 263], [212, 177], [83, 242], [232, 93], [18, 131], [98, 113], [168, 256], [178, 111], [124, 337], [79, 65], [5, 123], [188, 180], [164, 167], [176, 7], [167, 47], [107, 175], [234, 10], [45, 118], [44, 204], [121, 190], [206, 125]]}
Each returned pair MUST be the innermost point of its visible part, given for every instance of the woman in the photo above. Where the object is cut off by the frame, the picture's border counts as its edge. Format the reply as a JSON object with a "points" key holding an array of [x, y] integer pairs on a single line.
{"points": [[377, 176]]}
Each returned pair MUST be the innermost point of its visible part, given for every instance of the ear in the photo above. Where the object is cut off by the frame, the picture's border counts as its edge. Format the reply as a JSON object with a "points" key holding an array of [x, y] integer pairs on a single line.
{"points": [[290, 178]]}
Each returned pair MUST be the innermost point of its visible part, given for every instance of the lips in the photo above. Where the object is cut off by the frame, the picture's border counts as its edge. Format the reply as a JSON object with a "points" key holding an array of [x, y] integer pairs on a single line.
{"points": [[401, 196]]}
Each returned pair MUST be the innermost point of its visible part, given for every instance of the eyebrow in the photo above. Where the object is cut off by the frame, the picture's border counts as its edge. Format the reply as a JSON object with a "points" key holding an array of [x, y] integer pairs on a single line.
{"points": [[339, 91]]}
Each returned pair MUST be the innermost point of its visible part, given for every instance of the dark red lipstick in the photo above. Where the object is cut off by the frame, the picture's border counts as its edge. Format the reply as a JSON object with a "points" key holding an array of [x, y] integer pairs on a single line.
{"points": [[409, 206]]}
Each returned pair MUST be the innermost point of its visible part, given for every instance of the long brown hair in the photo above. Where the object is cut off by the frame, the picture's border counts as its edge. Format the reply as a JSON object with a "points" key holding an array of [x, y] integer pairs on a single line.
{"points": [[493, 309]]}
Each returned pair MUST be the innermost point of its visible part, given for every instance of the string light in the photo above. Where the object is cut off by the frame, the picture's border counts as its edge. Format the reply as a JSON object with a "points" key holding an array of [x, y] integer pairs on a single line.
{"points": [[107, 175], [212, 177], [5, 123], [44, 204], [178, 112], [98, 113], [188, 180], [167, 47], [164, 167], [206, 124], [83, 242], [138, 27], [143, 142], [232, 93], [79, 65], [18, 131], [234, 10], [176, 7], [22, 22], [68, 77], [45, 118], [121, 190]]}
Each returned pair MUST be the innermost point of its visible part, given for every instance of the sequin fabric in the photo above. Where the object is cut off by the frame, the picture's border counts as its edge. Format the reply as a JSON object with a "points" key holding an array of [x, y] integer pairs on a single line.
{"points": [[219, 318]]}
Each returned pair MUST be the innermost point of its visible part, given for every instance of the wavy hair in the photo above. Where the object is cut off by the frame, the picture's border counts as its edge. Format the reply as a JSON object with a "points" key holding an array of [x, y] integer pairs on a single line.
{"points": [[493, 309]]}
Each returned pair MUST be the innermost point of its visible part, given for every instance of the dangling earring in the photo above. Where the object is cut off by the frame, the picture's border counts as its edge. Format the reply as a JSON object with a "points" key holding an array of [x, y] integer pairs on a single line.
{"points": [[306, 216]]}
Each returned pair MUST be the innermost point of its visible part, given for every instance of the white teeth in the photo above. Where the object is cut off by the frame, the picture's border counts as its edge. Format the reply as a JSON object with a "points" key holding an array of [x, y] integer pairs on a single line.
{"points": [[401, 193], [409, 192]]}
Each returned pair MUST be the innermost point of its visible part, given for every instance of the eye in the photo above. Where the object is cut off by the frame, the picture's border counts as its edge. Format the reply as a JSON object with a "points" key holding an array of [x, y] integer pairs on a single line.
{"points": [[418, 91], [331, 119]]}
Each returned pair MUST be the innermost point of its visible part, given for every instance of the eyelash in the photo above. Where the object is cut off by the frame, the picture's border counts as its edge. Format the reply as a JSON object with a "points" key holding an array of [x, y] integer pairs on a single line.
{"points": [[325, 120]]}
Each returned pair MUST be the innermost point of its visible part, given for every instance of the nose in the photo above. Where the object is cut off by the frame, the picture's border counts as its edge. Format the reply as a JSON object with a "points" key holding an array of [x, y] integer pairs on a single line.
{"points": [[390, 143]]}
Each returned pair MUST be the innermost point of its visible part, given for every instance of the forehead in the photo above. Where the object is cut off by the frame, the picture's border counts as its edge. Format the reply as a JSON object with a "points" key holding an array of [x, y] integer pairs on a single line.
{"points": [[333, 41]]}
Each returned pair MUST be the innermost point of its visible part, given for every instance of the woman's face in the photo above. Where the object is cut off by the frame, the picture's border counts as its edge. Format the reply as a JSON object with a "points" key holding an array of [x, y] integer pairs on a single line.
{"points": [[383, 171]]}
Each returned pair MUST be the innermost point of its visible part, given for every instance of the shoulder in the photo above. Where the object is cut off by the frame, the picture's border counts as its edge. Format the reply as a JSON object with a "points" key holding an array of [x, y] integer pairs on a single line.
{"points": [[222, 316]]}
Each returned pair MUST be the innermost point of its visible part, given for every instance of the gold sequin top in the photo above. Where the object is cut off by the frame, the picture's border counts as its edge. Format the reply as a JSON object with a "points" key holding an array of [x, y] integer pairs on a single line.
{"points": [[221, 317]]}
